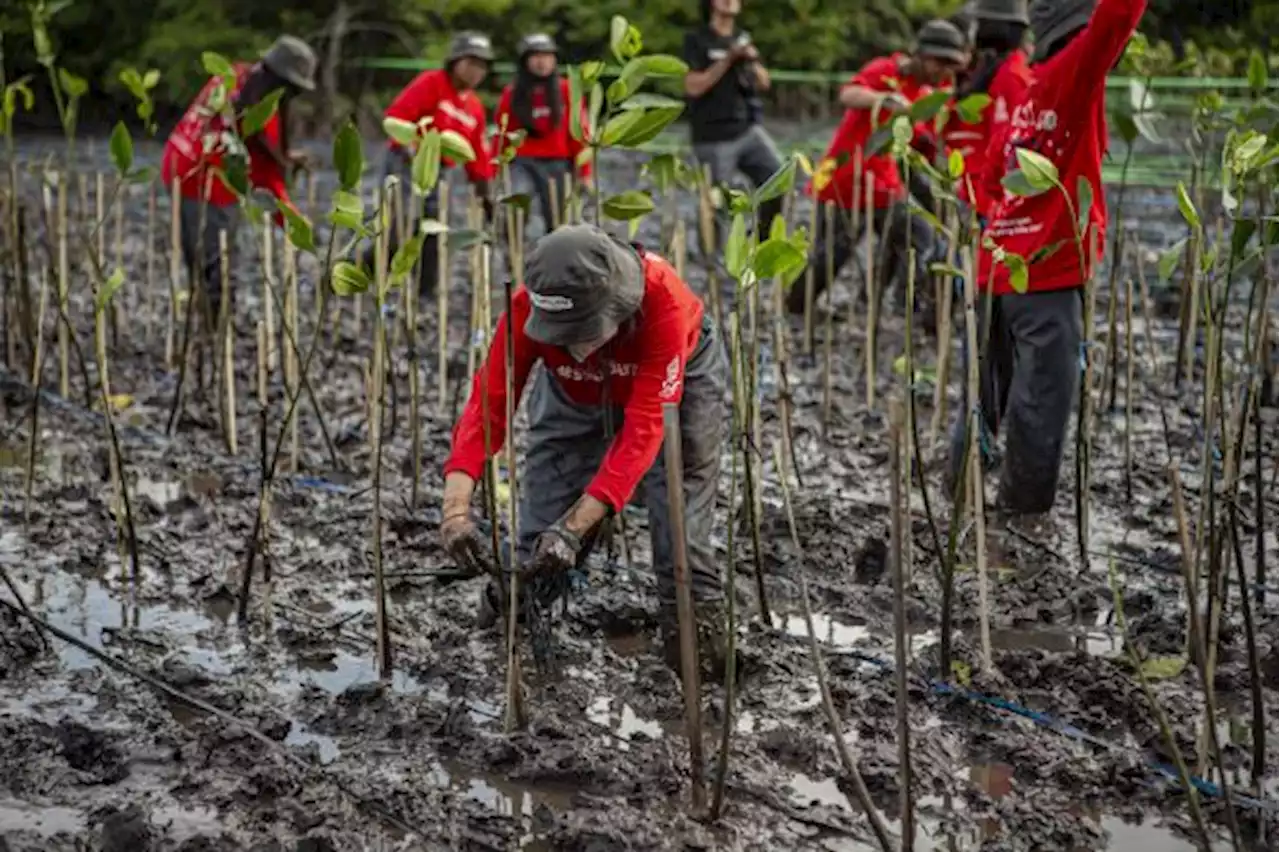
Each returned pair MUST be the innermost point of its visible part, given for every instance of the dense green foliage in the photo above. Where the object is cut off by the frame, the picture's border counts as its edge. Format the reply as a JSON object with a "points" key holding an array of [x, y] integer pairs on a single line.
{"points": [[97, 39]]}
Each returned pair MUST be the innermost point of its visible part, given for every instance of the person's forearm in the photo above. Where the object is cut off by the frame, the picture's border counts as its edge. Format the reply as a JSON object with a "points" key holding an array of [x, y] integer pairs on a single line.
{"points": [[584, 515], [859, 97], [698, 83], [762, 76], [458, 488]]}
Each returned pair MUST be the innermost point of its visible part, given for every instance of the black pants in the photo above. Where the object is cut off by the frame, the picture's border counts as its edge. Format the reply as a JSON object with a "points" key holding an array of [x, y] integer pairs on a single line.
{"points": [[200, 250], [535, 177], [429, 265]]}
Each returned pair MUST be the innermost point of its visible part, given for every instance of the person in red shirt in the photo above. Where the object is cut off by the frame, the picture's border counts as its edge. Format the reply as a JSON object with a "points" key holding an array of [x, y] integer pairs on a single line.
{"points": [[619, 335], [202, 148], [883, 88], [537, 103], [1032, 368], [446, 97]]}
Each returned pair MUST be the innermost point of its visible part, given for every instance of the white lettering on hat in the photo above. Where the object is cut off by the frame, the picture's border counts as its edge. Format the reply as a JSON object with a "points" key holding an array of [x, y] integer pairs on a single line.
{"points": [[552, 303]]}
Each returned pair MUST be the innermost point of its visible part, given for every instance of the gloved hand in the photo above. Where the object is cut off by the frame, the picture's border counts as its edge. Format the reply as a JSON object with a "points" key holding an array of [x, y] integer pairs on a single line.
{"points": [[554, 552], [462, 540]]}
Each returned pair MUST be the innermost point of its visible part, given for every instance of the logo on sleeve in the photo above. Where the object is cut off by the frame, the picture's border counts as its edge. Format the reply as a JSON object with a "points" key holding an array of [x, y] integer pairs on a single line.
{"points": [[671, 384]]}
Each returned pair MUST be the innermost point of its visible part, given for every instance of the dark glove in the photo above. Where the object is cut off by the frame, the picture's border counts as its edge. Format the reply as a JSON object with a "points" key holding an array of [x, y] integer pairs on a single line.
{"points": [[462, 540], [487, 203], [555, 552]]}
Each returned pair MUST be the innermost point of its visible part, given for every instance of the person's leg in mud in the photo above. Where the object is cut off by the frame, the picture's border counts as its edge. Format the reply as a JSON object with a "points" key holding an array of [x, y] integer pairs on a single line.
{"points": [[533, 177], [721, 159], [702, 432], [566, 444], [899, 230], [201, 252], [995, 374], [844, 242], [1045, 329], [758, 159]]}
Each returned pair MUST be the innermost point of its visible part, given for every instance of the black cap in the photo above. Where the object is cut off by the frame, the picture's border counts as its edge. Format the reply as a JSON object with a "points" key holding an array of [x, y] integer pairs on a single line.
{"points": [[583, 284], [942, 40], [1052, 20], [469, 43], [536, 43], [1014, 11]]}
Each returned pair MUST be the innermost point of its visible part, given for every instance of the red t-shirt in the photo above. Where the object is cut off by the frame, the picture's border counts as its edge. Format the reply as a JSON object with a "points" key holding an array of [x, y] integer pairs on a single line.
{"points": [[1008, 90], [1063, 118], [185, 156], [646, 369], [882, 75], [431, 94], [551, 143]]}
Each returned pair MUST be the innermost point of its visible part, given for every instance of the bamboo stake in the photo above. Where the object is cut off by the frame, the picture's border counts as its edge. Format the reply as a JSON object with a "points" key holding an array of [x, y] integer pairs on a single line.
{"points": [[1128, 391], [828, 321], [262, 363], [290, 320], [515, 716], [175, 272], [944, 343], [554, 203], [149, 265], [268, 303], [679, 248], [873, 292], [808, 280], [973, 459], [689, 672], [375, 435], [897, 534], [100, 218], [415, 387], [64, 278], [227, 326], [118, 241], [442, 303], [707, 242], [1110, 374], [1186, 353], [37, 369]]}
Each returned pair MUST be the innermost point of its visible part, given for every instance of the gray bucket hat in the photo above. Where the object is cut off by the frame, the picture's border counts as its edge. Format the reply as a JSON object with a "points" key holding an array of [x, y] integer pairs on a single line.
{"points": [[470, 43], [1014, 11], [1051, 20], [942, 40], [292, 60], [536, 43], [583, 284]]}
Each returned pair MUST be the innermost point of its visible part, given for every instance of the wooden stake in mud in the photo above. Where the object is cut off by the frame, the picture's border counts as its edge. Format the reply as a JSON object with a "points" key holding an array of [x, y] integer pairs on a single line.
{"points": [[943, 362], [707, 242], [415, 383], [100, 217], [290, 321], [808, 280], [897, 533], [872, 289], [515, 716], [689, 671], [37, 368], [268, 303], [828, 322], [148, 264], [175, 271], [679, 248], [973, 460], [262, 364], [442, 302], [226, 326], [375, 436], [64, 279], [118, 243], [553, 192], [1128, 390]]}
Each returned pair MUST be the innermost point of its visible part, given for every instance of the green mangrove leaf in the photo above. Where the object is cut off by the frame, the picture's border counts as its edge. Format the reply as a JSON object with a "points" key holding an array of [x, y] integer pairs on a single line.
{"points": [[348, 279], [627, 205]]}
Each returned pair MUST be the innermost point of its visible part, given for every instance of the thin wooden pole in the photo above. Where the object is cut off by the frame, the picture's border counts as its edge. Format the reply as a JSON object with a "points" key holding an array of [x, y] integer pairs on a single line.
{"points": [[227, 324], [442, 303], [268, 303], [175, 271], [873, 291], [64, 278], [290, 320], [974, 460]]}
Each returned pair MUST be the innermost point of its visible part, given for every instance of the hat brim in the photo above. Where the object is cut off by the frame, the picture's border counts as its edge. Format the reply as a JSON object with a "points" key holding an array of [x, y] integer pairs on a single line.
{"points": [[542, 327], [946, 54], [1059, 31]]}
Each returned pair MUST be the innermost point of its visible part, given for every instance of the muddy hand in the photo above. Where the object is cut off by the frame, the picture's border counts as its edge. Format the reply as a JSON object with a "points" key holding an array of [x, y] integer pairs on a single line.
{"points": [[555, 552], [462, 540]]}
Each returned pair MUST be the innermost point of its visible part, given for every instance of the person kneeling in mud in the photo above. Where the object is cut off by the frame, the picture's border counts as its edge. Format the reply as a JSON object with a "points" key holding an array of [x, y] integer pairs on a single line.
{"points": [[619, 334], [1032, 366]]}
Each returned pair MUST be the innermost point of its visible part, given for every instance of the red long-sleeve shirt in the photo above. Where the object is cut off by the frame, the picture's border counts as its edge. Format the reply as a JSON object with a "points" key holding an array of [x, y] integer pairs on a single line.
{"points": [[1008, 89], [882, 75], [551, 143], [646, 369], [1063, 118], [186, 159], [431, 94]]}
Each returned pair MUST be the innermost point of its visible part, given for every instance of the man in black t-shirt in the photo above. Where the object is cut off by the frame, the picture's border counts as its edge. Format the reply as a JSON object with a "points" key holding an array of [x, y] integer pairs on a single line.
{"points": [[724, 79]]}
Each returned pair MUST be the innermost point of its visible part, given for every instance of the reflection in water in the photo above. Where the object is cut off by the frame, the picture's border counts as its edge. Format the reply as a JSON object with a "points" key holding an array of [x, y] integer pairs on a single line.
{"points": [[507, 798], [625, 723], [834, 633]]}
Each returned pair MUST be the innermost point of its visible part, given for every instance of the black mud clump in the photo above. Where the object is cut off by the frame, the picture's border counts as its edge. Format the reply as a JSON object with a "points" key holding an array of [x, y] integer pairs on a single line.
{"points": [[125, 830], [90, 752]]}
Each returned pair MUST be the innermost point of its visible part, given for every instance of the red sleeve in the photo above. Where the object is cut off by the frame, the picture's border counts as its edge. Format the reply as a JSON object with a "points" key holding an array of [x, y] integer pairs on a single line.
{"points": [[1091, 55], [415, 100], [265, 171], [659, 378], [468, 454], [502, 119], [876, 74], [481, 168], [575, 146]]}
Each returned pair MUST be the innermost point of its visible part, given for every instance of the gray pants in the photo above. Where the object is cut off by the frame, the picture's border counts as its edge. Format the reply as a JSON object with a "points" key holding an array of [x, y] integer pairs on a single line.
{"points": [[894, 226], [201, 252], [1028, 385], [568, 441], [534, 177], [429, 265], [754, 154]]}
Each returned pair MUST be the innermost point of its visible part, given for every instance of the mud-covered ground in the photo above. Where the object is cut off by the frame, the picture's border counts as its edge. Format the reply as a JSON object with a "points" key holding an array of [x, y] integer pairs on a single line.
{"points": [[93, 759]]}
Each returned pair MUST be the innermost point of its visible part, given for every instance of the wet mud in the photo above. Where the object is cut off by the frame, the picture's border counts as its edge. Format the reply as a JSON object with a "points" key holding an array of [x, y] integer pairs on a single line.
{"points": [[90, 758]]}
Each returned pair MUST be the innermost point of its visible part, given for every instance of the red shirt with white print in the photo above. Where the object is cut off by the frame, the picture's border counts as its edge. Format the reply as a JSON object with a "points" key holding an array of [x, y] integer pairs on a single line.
{"points": [[645, 368], [1008, 89], [1064, 118], [551, 143], [431, 95], [186, 158], [881, 75]]}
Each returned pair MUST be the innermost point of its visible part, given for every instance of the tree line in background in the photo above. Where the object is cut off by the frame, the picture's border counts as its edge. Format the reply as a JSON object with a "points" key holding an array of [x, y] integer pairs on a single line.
{"points": [[96, 40]]}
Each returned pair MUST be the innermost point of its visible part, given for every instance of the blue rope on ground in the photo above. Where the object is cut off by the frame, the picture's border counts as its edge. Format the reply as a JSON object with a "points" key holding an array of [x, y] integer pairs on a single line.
{"points": [[1066, 729]]}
